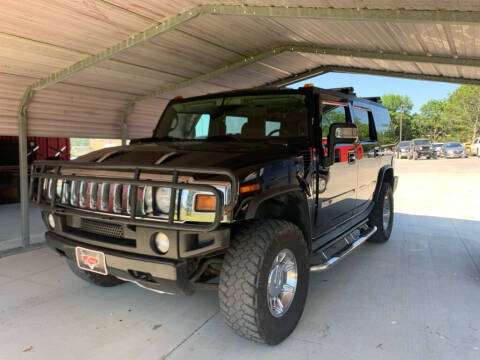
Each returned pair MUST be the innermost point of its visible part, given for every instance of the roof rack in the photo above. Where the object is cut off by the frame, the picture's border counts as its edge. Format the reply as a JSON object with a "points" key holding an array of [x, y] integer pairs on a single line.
{"points": [[345, 90], [376, 99]]}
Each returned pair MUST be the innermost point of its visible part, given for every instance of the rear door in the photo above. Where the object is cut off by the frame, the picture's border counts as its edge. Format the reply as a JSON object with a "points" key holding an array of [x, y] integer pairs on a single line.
{"points": [[367, 153]]}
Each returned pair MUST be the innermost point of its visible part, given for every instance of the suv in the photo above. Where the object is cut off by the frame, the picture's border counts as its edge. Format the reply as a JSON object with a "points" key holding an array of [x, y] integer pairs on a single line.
{"points": [[422, 147], [243, 192], [403, 149]]}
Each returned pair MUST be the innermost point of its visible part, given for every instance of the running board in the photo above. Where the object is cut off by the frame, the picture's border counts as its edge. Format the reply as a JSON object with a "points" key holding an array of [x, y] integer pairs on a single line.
{"points": [[335, 259]]}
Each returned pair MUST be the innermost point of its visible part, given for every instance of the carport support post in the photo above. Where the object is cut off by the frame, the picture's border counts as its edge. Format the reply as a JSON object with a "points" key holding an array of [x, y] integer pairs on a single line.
{"points": [[23, 165], [123, 122]]}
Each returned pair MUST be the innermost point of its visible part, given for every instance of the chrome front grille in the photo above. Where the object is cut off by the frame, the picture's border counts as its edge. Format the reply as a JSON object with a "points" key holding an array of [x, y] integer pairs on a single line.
{"points": [[133, 192], [99, 196]]}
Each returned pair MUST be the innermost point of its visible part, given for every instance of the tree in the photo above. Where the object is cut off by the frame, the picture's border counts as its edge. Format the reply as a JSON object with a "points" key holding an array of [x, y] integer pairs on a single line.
{"points": [[433, 121], [464, 108], [400, 108]]}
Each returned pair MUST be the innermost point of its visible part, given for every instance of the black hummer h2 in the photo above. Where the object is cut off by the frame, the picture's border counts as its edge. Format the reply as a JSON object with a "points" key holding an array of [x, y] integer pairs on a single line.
{"points": [[245, 192]]}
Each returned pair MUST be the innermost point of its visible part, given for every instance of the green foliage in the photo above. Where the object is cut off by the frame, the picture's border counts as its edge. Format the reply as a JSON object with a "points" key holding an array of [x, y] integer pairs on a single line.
{"points": [[464, 109], [454, 119], [433, 121]]}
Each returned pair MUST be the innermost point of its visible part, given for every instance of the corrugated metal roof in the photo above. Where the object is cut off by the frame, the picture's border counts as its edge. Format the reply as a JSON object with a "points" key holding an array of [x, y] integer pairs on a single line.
{"points": [[41, 37]]}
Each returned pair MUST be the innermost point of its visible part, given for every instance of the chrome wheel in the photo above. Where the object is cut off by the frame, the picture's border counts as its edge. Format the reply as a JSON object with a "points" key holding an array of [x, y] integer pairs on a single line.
{"points": [[387, 212], [282, 283]]}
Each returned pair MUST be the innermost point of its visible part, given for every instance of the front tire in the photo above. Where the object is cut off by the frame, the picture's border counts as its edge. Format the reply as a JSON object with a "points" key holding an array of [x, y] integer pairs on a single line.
{"points": [[93, 278], [382, 215], [256, 283]]}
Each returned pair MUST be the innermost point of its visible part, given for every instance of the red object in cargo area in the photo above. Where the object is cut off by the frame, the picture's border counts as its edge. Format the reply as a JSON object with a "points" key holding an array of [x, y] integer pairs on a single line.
{"points": [[47, 145]]}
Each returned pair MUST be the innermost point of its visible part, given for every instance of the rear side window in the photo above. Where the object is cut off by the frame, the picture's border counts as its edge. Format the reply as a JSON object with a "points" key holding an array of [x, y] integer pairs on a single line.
{"points": [[364, 121], [384, 130]]}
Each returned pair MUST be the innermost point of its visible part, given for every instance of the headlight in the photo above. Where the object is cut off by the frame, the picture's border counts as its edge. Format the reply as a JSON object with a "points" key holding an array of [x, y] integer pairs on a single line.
{"points": [[162, 199], [148, 200]]}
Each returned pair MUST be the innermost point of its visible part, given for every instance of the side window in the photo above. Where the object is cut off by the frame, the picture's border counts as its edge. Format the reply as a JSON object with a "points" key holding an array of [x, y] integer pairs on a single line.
{"points": [[363, 120], [202, 126], [272, 127], [234, 124], [332, 113]]}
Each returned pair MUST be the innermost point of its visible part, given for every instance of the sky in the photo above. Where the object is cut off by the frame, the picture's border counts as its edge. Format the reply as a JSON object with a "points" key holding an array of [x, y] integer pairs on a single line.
{"points": [[369, 85]]}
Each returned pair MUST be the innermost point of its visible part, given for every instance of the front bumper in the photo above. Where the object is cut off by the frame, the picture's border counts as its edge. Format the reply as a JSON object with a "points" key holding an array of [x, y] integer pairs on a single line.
{"points": [[424, 152], [161, 275], [452, 156]]}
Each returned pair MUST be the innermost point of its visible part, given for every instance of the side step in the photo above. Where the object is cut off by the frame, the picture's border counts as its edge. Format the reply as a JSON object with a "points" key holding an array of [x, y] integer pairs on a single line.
{"points": [[352, 241]]}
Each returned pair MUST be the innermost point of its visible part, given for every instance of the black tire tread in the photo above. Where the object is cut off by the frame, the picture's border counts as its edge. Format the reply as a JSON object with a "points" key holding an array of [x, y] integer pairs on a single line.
{"points": [[376, 215], [238, 290]]}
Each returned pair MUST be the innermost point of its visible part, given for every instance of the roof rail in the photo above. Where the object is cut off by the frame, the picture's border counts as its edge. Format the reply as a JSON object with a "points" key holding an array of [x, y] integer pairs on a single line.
{"points": [[376, 99], [345, 90]]}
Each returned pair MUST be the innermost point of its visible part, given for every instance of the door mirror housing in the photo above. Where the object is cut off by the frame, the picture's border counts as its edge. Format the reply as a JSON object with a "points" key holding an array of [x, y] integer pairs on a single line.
{"points": [[340, 133]]}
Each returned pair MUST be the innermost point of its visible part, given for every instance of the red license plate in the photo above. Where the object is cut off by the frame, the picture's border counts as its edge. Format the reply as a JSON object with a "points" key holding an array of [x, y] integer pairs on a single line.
{"points": [[91, 260]]}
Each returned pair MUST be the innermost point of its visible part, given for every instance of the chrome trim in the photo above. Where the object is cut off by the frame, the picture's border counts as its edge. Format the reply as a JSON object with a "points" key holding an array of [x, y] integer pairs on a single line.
{"points": [[117, 198], [336, 259], [104, 196], [282, 283], [93, 192], [83, 194], [65, 192], [129, 207], [74, 193]]}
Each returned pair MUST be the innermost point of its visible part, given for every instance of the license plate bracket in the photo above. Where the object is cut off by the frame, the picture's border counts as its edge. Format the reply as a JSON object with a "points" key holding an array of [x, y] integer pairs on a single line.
{"points": [[91, 260]]}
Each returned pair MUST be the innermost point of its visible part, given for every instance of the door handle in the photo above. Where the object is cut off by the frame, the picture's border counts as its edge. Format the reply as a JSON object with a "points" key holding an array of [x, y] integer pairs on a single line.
{"points": [[351, 157]]}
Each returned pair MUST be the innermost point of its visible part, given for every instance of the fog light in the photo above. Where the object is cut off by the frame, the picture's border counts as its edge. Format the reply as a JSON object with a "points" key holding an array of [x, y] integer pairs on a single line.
{"points": [[51, 221], [161, 242]]}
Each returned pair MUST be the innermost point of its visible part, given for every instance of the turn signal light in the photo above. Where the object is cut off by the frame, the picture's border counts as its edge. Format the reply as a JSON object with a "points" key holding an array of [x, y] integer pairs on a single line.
{"points": [[205, 202], [249, 188]]}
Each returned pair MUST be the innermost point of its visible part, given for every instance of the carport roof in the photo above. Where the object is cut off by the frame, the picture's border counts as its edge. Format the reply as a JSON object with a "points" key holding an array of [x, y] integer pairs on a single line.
{"points": [[89, 61]]}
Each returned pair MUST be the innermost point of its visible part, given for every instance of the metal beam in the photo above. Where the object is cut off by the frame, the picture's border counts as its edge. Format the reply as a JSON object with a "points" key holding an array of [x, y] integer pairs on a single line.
{"points": [[398, 15], [443, 60], [412, 16], [449, 79], [23, 165]]}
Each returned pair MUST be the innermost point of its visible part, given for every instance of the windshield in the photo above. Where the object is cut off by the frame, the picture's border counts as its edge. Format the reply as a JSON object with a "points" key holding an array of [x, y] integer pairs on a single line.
{"points": [[403, 143], [437, 145], [453, 144], [421, 142], [238, 117]]}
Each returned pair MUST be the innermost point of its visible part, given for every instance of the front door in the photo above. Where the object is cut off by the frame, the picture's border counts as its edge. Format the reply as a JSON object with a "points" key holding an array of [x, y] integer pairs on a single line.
{"points": [[338, 182]]}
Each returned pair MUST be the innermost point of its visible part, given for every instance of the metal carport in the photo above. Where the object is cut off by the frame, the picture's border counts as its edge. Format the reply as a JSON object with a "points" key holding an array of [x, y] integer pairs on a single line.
{"points": [[107, 68]]}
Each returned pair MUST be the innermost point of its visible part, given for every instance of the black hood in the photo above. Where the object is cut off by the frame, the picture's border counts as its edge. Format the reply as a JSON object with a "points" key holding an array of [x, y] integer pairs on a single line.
{"points": [[242, 158]]}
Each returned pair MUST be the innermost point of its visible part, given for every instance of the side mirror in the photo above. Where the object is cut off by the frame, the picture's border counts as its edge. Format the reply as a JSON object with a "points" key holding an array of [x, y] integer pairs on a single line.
{"points": [[340, 133]]}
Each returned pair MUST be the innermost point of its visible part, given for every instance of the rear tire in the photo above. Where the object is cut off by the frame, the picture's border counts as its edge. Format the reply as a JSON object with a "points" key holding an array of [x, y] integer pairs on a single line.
{"points": [[93, 278], [246, 280], [377, 218]]}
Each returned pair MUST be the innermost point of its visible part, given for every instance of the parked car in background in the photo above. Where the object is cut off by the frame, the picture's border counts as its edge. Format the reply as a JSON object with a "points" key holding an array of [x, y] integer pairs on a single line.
{"points": [[421, 148], [454, 150], [403, 149], [475, 147], [467, 147], [438, 149]]}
